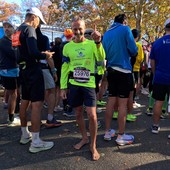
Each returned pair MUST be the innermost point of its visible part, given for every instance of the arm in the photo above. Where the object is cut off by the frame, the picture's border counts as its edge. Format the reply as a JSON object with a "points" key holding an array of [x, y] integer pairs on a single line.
{"points": [[131, 45], [50, 62], [64, 78], [64, 69], [100, 53]]}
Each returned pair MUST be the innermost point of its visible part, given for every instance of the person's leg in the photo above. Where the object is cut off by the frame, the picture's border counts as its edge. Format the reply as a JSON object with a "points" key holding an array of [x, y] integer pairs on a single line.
{"points": [[11, 103], [17, 107], [5, 100], [165, 103], [102, 88], [109, 112], [151, 101], [58, 98], [36, 116], [157, 112], [122, 103], [82, 127], [112, 101], [23, 112], [159, 93], [51, 100], [91, 112], [26, 135], [130, 103]]}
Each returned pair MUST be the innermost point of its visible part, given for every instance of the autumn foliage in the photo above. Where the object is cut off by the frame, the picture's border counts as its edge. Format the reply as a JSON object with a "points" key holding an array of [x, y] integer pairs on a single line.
{"points": [[7, 10], [148, 16]]}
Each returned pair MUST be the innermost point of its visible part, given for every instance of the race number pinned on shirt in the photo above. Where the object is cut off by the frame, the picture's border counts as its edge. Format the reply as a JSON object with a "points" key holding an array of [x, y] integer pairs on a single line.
{"points": [[81, 74], [15, 39]]}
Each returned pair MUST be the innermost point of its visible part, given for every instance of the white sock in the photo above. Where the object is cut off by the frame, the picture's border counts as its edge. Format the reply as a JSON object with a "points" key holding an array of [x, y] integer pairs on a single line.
{"points": [[35, 137], [25, 132], [50, 117]]}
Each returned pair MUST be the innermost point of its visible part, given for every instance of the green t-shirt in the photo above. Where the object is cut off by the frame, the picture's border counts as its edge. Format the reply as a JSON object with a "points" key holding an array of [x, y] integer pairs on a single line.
{"points": [[80, 55]]}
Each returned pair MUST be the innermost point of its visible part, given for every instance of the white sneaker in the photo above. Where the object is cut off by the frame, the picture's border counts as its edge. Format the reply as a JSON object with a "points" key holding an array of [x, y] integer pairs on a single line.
{"points": [[136, 105], [25, 140], [109, 134], [15, 122], [168, 136], [144, 91], [41, 146], [45, 105], [58, 109], [124, 139], [98, 110]]}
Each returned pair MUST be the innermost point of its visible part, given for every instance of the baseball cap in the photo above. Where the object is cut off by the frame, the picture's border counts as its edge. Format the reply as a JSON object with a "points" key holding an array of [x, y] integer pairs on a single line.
{"points": [[68, 33], [167, 22], [36, 12], [10, 23]]}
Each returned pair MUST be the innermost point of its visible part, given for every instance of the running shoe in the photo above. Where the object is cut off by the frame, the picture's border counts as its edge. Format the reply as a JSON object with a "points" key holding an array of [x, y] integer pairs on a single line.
{"points": [[53, 123], [25, 140], [131, 117], [45, 105], [136, 97], [109, 134], [15, 122], [99, 124], [115, 115], [98, 110], [155, 129], [41, 146], [136, 105], [124, 139], [164, 115], [149, 112], [69, 114], [144, 91], [58, 109], [101, 103]]}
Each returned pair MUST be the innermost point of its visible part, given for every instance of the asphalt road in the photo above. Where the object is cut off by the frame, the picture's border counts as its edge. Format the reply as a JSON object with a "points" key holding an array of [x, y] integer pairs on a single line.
{"points": [[148, 151]]}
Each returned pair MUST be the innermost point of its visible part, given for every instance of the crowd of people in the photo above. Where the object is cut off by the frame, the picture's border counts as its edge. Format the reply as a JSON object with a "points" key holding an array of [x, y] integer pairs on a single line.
{"points": [[75, 75]]}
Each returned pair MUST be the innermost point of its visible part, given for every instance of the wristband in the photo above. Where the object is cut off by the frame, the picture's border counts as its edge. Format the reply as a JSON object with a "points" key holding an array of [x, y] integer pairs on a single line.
{"points": [[53, 70]]}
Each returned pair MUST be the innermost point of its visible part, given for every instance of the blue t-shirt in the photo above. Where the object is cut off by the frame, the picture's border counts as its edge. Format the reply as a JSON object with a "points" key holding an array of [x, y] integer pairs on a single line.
{"points": [[161, 54]]}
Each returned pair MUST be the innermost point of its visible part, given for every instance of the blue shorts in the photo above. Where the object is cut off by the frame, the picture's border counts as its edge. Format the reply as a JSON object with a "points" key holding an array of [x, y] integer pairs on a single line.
{"points": [[80, 95]]}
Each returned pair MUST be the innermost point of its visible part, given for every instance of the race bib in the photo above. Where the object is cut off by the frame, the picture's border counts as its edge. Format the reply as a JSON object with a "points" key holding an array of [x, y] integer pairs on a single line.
{"points": [[15, 39], [81, 74]]}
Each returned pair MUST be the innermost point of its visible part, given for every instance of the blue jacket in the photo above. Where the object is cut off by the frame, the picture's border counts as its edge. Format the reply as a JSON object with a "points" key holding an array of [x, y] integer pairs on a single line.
{"points": [[119, 46]]}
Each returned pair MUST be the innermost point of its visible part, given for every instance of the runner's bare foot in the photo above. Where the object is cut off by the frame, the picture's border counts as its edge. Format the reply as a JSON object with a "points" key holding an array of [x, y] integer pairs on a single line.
{"points": [[95, 154], [81, 144]]}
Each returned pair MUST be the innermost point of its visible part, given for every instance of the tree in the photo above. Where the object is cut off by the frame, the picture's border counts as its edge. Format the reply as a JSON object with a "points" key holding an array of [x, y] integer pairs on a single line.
{"points": [[147, 16], [7, 10], [41, 4]]}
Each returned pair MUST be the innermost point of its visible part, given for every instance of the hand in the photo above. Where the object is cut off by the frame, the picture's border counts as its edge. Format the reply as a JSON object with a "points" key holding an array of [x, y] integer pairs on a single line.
{"points": [[55, 77], [96, 36], [63, 94], [48, 54]]}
